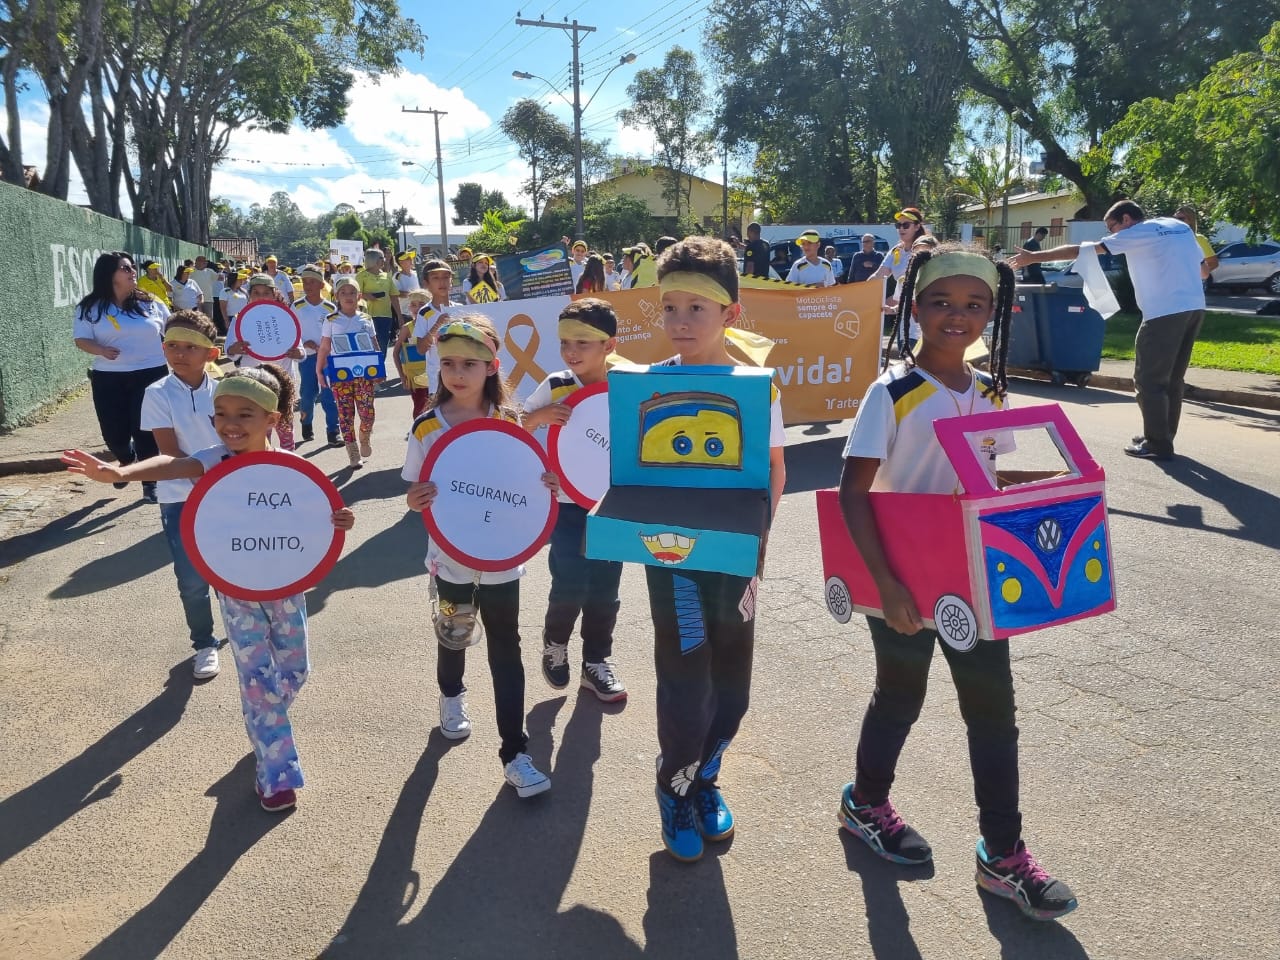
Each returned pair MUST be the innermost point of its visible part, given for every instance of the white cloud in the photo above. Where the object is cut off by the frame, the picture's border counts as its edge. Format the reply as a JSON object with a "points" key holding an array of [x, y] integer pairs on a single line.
{"points": [[375, 116]]}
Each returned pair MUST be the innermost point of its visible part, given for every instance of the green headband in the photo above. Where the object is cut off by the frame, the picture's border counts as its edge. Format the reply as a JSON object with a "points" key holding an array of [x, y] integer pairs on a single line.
{"points": [[958, 264], [250, 390]]}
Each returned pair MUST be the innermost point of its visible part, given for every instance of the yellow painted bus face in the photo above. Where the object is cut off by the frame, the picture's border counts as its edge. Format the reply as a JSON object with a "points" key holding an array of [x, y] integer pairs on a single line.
{"points": [[701, 430]]}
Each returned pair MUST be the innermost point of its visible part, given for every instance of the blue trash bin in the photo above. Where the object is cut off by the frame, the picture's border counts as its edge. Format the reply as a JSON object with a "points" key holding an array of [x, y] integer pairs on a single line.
{"points": [[1026, 352], [1070, 334]]}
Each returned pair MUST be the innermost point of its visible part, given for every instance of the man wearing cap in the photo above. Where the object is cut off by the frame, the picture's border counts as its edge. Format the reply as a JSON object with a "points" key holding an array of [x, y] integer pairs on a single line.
{"points": [[641, 271], [865, 262], [755, 254], [282, 281], [811, 269], [612, 278], [579, 262], [312, 309], [406, 282], [379, 292], [155, 284], [205, 277]]}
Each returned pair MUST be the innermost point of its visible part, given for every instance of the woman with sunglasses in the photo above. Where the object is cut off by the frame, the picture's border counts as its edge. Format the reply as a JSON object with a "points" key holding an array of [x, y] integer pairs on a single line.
{"points": [[910, 224], [122, 328]]}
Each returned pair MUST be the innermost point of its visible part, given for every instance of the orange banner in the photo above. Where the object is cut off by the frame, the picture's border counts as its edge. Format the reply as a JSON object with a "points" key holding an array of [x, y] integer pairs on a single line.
{"points": [[828, 341]]}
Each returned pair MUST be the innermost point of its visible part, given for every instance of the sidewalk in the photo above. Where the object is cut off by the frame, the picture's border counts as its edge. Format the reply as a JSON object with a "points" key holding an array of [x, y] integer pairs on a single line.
{"points": [[36, 448]]}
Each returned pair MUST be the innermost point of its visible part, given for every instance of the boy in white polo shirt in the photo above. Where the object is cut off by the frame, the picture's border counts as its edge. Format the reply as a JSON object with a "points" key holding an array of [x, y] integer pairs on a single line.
{"points": [[178, 410], [312, 309], [811, 269]]}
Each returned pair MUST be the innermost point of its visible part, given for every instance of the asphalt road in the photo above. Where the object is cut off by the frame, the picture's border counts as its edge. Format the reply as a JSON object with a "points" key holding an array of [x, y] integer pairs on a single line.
{"points": [[128, 827]]}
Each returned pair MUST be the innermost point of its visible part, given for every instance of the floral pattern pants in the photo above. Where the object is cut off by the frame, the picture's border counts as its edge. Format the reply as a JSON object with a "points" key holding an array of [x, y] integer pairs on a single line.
{"points": [[352, 397], [269, 638]]}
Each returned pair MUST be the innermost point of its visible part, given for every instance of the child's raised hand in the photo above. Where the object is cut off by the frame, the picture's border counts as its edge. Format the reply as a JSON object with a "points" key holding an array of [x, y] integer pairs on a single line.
{"points": [[91, 467], [420, 495], [343, 519], [899, 608], [552, 483]]}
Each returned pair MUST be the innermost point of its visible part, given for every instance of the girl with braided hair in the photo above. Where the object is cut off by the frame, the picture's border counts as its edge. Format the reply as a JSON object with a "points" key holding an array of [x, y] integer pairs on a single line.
{"points": [[953, 293]]}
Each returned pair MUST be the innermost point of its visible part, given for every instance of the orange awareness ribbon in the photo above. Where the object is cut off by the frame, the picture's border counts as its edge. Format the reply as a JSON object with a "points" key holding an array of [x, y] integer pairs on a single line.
{"points": [[526, 363]]}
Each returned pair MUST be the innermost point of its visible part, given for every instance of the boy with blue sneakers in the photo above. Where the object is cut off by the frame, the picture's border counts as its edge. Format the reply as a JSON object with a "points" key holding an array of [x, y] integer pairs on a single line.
{"points": [[704, 622]]}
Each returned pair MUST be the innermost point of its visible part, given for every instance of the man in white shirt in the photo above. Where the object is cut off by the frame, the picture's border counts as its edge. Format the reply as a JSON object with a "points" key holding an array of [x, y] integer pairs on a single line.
{"points": [[283, 282], [811, 269], [1164, 265], [837, 268], [205, 277]]}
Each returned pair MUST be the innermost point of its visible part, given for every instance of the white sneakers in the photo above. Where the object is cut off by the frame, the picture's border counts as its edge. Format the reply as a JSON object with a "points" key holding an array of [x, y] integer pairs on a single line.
{"points": [[455, 723], [527, 779], [205, 663]]}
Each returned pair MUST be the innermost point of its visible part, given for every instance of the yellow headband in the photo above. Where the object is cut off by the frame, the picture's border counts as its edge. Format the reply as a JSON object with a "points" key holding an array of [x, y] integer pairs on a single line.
{"points": [[958, 264], [687, 281], [249, 389], [572, 329], [185, 335], [462, 339]]}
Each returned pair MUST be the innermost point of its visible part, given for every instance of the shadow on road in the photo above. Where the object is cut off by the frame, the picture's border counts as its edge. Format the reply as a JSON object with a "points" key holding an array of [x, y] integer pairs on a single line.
{"points": [[393, 553], [501, 894], [1257, 511], [55, 798], [60, 532], [888, 923], [238, 823], [1022, 937], [814, 465], [124, 566]]}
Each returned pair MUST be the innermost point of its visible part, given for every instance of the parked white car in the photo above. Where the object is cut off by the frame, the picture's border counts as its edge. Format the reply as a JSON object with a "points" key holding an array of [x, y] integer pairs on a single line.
{"points": [[1249, 265]]}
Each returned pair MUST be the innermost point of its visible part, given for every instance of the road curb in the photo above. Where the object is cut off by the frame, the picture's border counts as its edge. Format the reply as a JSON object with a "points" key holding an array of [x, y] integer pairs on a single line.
{"points": [[1235, 398], [44, 464]]}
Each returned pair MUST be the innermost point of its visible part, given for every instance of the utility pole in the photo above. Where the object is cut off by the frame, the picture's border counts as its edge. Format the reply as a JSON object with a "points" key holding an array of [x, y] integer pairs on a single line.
{"points": [[573, 29], [384, 204], [444, 223]]}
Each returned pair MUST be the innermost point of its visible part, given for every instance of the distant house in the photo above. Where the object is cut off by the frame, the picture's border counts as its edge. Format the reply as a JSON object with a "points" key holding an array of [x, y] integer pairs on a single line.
{"points": [[706, 198], [237, 249], [1027, 211]]}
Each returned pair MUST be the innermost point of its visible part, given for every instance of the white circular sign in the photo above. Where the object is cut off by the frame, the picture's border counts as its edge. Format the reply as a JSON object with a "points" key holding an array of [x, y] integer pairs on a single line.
{"points": [[579, 450], [270, 329], [259, 526], [492, 511]]}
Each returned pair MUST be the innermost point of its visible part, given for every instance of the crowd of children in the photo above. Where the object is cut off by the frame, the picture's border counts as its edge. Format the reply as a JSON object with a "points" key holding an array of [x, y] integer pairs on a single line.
{"points": [[704, 622]]}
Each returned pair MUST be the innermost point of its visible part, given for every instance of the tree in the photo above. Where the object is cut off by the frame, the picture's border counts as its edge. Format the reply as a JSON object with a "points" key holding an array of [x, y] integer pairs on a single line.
{"points": [[1058, 68], [615, 221], [146, 94], [495, 235], [467, 203], [545, 144], [1236, 110], [986, 178], [670, 101], [401, 217]]}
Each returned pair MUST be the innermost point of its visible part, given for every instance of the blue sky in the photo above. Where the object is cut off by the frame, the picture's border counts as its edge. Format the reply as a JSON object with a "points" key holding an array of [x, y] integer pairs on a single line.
{"points": [[465, 70]]}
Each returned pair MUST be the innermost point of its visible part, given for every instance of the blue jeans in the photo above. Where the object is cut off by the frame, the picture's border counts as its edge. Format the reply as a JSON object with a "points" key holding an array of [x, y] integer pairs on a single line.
{"points": [[192, 589], [308, 390], [385, 328], [580, 586]]}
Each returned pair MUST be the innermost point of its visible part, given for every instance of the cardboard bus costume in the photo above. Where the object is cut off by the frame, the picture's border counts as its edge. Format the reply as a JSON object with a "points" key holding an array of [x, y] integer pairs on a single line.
{"points": [[354, 356], [985, 563], [682, 428]]}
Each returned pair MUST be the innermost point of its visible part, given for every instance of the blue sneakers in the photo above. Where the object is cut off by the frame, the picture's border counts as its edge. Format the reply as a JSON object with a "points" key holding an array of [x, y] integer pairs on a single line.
{"points": [[714, 819], [679, 831]]}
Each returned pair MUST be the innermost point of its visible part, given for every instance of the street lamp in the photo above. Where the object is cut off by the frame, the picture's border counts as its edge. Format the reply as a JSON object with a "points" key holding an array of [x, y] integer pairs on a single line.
{"points": [[578, 109]]}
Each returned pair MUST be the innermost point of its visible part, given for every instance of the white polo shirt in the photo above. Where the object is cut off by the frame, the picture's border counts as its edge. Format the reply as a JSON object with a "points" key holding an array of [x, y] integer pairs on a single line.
{"points": [[311, 317], [205, 280], [815, 274], [170, 404], [1164, 264]]}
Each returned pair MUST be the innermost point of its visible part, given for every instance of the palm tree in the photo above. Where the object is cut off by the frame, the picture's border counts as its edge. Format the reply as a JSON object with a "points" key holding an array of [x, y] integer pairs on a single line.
{"points": [[986, 177]]}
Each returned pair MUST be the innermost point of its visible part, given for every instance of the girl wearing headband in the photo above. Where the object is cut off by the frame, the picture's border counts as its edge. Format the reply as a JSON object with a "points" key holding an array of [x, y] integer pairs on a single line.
{"points": [[355, 396], [954, 293], [472, 388], [269, 637]]}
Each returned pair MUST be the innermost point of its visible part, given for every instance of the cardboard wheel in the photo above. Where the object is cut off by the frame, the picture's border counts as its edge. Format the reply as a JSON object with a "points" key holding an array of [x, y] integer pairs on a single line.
{"points": [[839, 604], [954, 620]]}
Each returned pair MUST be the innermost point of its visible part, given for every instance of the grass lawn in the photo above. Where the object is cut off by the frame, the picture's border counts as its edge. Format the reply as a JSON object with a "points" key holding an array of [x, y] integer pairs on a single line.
{"points": [[1228, 341]]}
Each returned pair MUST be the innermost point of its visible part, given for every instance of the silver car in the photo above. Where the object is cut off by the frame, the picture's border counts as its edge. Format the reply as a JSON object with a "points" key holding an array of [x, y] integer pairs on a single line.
{"points": [[1249, 265]]}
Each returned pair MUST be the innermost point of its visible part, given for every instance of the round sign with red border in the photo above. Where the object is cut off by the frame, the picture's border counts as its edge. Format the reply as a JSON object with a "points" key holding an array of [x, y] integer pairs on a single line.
{"points": [[579, 450], [258, 526], [269, 328], [492, 511]]}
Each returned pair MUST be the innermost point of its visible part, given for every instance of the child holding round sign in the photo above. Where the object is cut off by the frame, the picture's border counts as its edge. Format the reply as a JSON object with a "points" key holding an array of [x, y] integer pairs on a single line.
{"points": [[953, 293], [178, 410], [269, 637], [588, 332], [353, 396], [472, 388], [263, 289]]}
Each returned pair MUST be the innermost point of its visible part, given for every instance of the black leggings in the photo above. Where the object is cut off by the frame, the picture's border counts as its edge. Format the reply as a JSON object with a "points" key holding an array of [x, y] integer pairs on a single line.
{"points": [[499, 605], [117, 400], [984, 687]]}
